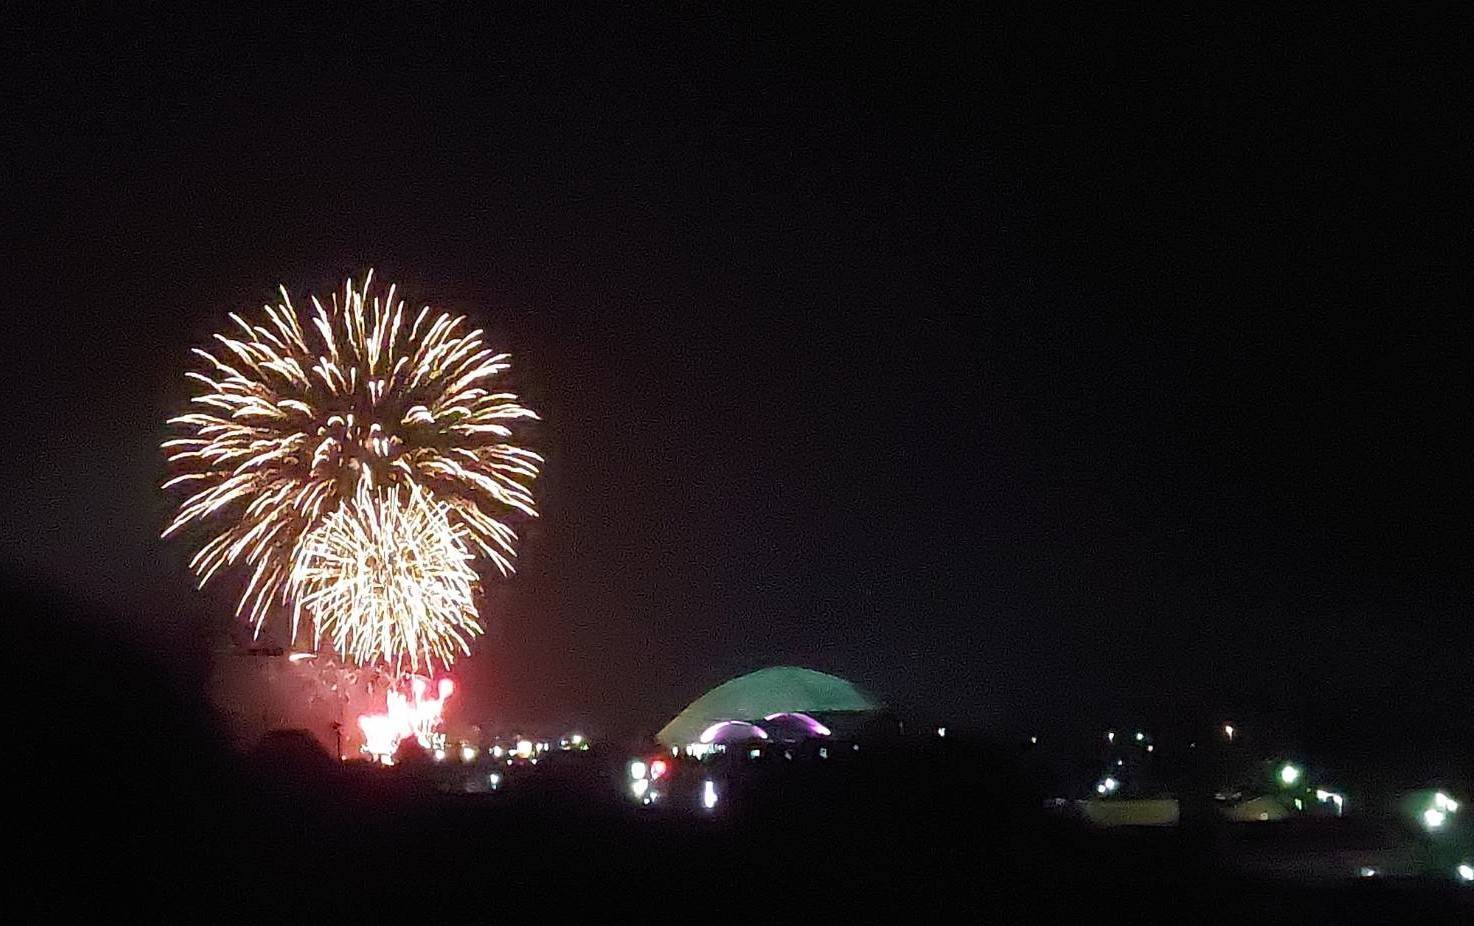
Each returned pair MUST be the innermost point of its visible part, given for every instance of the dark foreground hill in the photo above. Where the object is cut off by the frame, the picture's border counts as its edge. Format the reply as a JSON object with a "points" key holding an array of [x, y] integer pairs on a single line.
{"points": [[129, 803]]}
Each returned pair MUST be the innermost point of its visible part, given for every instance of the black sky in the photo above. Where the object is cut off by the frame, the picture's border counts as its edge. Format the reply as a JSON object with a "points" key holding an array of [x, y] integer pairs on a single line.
{"points": [[1016, 366]]}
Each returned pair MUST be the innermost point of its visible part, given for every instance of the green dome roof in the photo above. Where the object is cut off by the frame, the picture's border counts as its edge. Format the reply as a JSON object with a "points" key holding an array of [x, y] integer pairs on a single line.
{"points": [[766, 691]]}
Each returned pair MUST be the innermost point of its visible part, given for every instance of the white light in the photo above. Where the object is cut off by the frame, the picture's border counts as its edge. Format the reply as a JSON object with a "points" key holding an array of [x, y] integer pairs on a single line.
{"points": [[675, 750], [1034, 740], [637, 770], [1338, 799], [576, 739], [1110, 736], [497, 752], [1466, 872], [1149, 747], [1299, 804], [941, 731], [640, 787], [1140, 737], [1289, 774], [708, 795], [1433, 818], [1100, 789], [1367, 871], [1445, 803], [440, 755], [754, 753], [1228, 730], [1107, 786], [524, 748], [823, 752], [468, 753], [495, 780], [1120, 762]]}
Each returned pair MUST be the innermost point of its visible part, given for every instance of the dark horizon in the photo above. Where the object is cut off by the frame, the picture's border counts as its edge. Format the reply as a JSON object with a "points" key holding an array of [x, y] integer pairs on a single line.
{"points": [[1020, 370]]}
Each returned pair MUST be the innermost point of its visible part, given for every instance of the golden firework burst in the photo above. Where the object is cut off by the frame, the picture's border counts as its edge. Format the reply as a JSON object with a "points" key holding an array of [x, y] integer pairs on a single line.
{"points": [[298, 415], [387, 579]]}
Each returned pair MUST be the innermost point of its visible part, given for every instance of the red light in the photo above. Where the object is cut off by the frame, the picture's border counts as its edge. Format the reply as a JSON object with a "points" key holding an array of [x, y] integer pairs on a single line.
{"points": [[405, 717], [657, 768]]}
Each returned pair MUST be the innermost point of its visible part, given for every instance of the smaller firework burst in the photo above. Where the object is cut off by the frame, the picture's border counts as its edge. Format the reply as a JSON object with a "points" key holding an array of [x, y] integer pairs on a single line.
{"points": [[387, 579], [416, 714]]}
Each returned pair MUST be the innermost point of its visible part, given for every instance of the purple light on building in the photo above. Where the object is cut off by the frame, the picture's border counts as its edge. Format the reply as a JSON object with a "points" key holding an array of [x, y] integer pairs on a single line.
{"points": [[814, 727], [732, 731]]}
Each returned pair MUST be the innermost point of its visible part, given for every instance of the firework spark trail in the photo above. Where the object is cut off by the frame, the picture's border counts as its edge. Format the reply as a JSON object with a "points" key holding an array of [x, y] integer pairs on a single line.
{"points": [[297, 413]]}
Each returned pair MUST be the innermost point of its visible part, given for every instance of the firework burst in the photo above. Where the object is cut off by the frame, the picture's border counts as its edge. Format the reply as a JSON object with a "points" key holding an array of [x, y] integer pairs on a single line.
{"points": [[303, 418], [387, 579]]}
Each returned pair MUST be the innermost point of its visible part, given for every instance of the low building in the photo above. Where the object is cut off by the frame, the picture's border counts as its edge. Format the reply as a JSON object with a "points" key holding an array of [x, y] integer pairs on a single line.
{"points": [[783, 702]]}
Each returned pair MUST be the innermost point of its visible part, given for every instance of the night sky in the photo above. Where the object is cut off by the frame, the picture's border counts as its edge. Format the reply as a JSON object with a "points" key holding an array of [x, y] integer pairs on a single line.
{"points": [[1030, 370]]}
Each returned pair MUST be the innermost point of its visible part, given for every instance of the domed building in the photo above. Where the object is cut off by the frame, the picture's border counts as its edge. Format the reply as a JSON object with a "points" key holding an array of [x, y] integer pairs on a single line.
{"points": [[781, 703]]}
